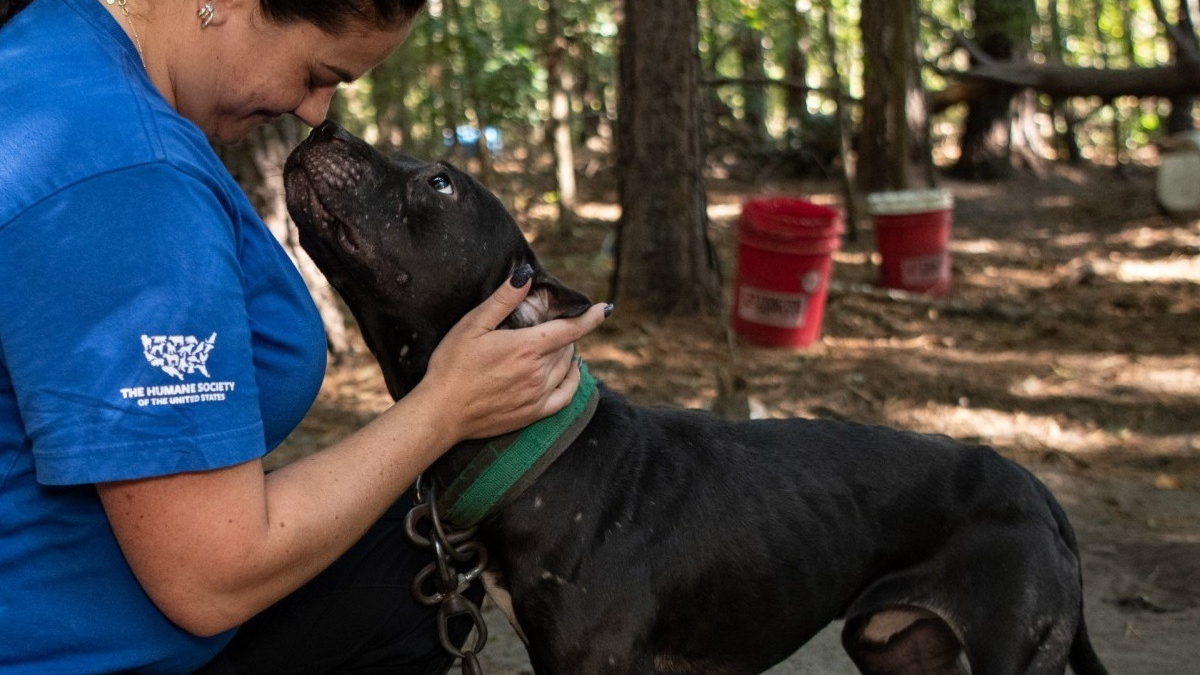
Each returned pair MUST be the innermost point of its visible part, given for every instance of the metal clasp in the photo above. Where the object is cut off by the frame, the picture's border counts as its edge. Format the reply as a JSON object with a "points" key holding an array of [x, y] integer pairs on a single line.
{"points": [[452, 550]]}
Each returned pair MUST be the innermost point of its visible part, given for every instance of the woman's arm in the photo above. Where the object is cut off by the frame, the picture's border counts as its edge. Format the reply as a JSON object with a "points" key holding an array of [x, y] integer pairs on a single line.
{"points": [[214, 548]]}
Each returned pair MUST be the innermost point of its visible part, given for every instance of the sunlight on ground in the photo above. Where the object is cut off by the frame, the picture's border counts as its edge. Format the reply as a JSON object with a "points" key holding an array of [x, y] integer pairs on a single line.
{"points": [[1113, 376], [723, 211], [1093, 379], [1182, 269], [989, 247], [1148, 237], [1048, 434], [604, 211], [1003, 428], [1056, 202]]}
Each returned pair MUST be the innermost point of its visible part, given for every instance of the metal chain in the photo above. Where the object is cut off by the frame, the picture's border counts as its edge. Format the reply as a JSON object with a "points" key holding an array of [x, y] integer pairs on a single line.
{"points": [[451, 549]]}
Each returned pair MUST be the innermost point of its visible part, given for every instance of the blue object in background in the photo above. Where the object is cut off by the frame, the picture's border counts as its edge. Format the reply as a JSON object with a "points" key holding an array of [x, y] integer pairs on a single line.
{"points": [[468, 138]]}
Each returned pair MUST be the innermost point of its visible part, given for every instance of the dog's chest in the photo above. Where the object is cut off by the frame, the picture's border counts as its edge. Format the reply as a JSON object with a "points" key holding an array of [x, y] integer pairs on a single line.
{"points": [[503, 600]]}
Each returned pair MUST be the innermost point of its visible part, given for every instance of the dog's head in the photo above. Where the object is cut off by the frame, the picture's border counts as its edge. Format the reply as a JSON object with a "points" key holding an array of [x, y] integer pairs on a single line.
{"points": [[411, 246]]}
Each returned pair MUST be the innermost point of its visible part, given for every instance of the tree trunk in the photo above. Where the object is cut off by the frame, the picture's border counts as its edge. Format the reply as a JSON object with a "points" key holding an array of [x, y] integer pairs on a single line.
{"points": [[986, 153], [389, 83], [846, 172], [558, 92], [475, 106], [665, 261], [754, 98], [796, 100], [893, 99], [255, 164], [1181, 118], [873, 137], [592, 96], [450, 82], [1002, 31]]}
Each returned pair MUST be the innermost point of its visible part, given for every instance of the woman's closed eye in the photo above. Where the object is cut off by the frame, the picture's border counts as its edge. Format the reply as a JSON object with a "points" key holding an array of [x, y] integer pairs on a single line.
{"points": [[316, 81]]}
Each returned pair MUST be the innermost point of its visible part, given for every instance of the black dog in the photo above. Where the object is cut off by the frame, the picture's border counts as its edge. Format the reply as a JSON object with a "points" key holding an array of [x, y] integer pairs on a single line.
{"points": [[669, 541]]}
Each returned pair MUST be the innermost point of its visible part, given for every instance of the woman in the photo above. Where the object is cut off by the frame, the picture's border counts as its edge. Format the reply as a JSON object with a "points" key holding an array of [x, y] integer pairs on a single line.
{"points": [[155, 342]]}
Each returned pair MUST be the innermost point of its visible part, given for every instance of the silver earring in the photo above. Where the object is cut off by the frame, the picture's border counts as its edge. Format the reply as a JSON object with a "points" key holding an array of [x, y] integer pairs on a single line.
{"points": [[205, 14]]}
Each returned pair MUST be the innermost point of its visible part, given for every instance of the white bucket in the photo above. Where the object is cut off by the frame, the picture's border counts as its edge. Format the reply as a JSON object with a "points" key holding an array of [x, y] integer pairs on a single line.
{"points": [[1178, 188]]}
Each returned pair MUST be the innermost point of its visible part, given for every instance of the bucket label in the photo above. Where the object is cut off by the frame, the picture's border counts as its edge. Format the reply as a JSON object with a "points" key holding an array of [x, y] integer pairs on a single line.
{"points": [[924, 270], [771, 308]]}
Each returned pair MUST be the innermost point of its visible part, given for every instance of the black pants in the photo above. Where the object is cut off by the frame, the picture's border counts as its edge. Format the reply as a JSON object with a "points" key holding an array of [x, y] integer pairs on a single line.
{"points": [[358, 616]]}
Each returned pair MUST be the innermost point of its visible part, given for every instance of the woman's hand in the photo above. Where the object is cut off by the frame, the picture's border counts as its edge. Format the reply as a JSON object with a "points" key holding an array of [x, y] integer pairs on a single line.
{"points": [[491, 381]]}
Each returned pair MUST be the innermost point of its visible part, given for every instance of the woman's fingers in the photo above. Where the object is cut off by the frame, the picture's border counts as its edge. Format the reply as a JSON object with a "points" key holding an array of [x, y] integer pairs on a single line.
{"points": [[560, 396], [501, 380], [559, 332], [501, 303]]}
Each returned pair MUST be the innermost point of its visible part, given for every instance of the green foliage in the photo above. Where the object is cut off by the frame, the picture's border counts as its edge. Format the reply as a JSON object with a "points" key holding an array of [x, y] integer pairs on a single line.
{"points": [[483, 62], [477, 62]]}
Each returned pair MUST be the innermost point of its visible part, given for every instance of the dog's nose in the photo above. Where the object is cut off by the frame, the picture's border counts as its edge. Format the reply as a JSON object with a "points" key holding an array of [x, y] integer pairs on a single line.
{"points": [[329, 130]]}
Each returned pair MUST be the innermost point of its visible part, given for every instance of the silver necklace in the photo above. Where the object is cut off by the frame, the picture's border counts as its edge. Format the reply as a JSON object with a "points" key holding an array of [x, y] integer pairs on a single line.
{"points": [[137, 41]]}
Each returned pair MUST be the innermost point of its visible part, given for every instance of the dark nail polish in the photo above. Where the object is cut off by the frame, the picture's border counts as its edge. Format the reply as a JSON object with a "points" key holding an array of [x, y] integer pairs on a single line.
{"points": [[608, 310], [521, 276]]}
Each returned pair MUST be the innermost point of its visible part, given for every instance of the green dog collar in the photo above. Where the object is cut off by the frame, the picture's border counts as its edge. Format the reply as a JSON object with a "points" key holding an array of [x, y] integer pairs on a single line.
{"points": [[509, 464]]}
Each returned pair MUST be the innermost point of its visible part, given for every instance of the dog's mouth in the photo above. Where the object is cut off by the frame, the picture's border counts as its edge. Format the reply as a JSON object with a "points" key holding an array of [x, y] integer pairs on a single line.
{"points": [[326, 180], [312, 198]]}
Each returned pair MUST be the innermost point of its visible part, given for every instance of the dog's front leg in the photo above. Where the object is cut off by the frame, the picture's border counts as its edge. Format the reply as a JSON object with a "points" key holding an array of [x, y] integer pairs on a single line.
{"points": [[576, 636]]}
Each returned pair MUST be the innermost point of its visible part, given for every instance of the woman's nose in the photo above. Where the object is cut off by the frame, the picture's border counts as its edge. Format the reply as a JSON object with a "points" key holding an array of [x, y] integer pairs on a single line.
{"points": [[315, 107]]}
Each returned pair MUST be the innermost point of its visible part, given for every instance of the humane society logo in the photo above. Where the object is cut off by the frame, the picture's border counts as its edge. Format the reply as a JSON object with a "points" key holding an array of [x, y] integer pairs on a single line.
{"points": [[180, 357], [177, 355]]}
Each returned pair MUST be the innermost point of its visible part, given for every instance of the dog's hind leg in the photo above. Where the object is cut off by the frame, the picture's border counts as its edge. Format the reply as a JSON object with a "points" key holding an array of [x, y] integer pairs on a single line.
{"points": [[903, 641], [1008, 593]]}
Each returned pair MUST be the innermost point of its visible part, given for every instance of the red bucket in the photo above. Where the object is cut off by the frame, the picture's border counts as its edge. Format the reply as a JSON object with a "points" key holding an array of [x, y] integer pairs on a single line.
{"points": [[912, 233], [784, 249]]}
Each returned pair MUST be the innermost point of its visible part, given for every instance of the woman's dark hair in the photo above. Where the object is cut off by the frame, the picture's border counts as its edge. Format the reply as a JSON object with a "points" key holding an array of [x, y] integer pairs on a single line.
{"points": [[333, 15], [9, 9], [328, 15]]}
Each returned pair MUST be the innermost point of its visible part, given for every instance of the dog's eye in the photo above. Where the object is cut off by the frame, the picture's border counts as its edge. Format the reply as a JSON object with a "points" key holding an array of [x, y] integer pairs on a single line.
{"points": [[442, 184]]}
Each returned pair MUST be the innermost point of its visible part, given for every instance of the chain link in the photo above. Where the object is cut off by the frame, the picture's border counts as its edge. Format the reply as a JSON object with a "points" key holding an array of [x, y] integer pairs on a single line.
{"points": [[452, 550]]}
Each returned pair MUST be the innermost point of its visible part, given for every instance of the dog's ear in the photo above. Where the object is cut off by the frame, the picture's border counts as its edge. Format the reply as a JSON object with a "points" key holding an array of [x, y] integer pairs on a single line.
{"points": [[548, 299]]}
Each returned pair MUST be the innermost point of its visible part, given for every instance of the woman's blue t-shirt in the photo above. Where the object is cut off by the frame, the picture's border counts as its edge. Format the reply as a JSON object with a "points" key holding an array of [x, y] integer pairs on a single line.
{"points": [[149, 324]]}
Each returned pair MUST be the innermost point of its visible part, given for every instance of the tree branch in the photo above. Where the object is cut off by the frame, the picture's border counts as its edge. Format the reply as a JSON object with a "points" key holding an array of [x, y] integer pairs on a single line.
{"points": [[959, 38], [766, 82], [1106, 83], [1187, 47]]}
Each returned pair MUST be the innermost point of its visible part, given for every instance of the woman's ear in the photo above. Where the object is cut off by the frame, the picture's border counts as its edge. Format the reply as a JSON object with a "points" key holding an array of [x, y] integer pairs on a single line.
{"points": [[213, 13]]}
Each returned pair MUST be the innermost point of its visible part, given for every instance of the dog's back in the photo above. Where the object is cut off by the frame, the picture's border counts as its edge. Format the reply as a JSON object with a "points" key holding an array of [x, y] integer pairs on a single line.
{"points": [[667, 515]]}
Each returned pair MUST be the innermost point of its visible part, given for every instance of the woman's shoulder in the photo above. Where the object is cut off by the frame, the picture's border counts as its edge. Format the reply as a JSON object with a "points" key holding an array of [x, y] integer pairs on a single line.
{"points": [[85, 109]]}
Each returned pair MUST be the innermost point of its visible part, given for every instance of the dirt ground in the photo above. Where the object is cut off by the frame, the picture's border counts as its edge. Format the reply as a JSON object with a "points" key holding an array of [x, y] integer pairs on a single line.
{"points": [[1070, 342]]}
